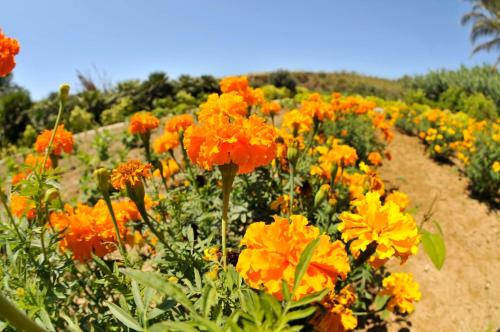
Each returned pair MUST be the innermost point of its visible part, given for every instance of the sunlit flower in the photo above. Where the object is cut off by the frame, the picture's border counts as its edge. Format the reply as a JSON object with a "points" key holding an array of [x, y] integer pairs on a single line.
{"points": [[271, 108], [403, 292], [166, 142], [22, 206], [375, 158], [131, 173], [248, 143], [297, 122], [179, 122], [169, 167], [211, 254], [333, 158], [9, 48], [227, 104], [401, 199], [240, 86], [272, 253], [496, 167], [143, 122], [63, 141], [394, 232], [335, 314], [89, 230], [316, 107]]}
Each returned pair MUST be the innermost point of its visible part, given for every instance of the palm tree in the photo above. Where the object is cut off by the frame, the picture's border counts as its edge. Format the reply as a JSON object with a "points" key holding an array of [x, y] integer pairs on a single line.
{"points": [[485, 18]]}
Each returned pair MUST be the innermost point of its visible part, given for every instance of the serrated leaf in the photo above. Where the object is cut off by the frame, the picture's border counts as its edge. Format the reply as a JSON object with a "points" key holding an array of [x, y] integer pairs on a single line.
{"points": [[124, 317], [316, 297], [434, 247], [305, 259], [300, 314], [156, 282]]}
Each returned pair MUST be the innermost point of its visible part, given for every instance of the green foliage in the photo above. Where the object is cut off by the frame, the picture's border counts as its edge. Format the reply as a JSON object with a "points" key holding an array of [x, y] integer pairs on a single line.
{"points": [[118, 112], [80, 120], [434, 247], [14, 107], [479, 106], [28, 137]]}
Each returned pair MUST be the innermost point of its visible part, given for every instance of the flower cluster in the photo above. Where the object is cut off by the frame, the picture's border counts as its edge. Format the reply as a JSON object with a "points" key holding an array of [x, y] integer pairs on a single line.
{"points": [[240, 86], [337, 315], [142, 123], [9, 48], [272, 253], [403, 291], [130, 173], [63, 141], [394, 232], [332, 158]]}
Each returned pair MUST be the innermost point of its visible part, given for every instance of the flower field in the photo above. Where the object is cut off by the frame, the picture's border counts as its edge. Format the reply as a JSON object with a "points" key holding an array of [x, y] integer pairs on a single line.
{"points": [[244, 213]]}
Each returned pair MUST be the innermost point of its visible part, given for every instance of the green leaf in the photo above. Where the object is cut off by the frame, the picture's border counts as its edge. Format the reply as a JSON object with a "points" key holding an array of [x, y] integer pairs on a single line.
{"points": [[315, 297], [209, 298], [285, 289], [156, 282], [124, 317], [380, 301], [72, 326], [172, 326], [102, 265], [434, 247], [300, 314], [272, 304], [305, 259], [137, 296]]}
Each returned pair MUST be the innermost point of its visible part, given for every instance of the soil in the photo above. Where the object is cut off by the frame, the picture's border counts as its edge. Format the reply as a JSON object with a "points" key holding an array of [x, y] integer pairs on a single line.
{"points": [[465, 294]]}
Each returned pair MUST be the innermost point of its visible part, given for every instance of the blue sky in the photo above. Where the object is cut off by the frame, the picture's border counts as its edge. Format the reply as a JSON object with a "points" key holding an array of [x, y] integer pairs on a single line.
{"points": [[127, 39]]}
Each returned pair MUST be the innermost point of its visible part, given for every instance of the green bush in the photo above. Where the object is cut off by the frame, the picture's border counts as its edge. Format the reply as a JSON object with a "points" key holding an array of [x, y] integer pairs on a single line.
{"points": [[13, 115], [479, 106], [118, 112], [452, 99], [28, 137], [80, 120]]}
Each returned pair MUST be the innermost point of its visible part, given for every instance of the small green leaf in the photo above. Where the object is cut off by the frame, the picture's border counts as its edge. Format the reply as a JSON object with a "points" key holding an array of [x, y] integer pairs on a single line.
{"points": [[156, 282], [137, 296], [305, 259], [380, 301], [72, 326], [209, 298], [316, 297], [124, 317], [300, 314], [434, 247], [285, 289], [172, 326]]}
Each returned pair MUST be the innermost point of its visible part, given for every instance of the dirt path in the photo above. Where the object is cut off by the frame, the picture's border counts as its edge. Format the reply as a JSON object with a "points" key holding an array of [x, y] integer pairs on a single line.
{"points": [[465, 294]]}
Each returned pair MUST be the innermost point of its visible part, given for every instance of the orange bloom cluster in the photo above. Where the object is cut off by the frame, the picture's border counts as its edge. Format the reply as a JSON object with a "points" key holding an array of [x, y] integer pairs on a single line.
{"points": [[31, 162], [166, 142], [297, 121], [316, 107], [227, 104], [63, 141], [403, 292], [22, 206], [131, 172], [336, 157], [375, 158], [271, 108], [143, 122], [338, 316], [9, 48], [179, 122], [360, 183], [248, 143], [273, 251], [240, 86], [89, 230]]}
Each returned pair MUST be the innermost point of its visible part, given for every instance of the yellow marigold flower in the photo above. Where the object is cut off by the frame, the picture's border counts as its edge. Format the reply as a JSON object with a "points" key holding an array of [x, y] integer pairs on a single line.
{"points": [[395, 232], [297, 122], [131, 172], [403, 292], [89, 230], [334, 157], [401, 199], [170, 168], [228, 104], [240, 86], [63, 141], [246, 142], [213, 274], [9, 48], [496, 167], [438, 148], [271, 108], [336, 314], [211, 254], [166, 142], [316, 107], [179, 122], [22, 206], [143, 122], [375, 158], [272, 253]]}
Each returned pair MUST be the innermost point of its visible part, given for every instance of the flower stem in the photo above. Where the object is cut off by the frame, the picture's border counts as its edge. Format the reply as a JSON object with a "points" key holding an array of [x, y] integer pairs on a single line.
{"points": [[228, 172], [16, 317], [62, 104], [121, 246], [292, 186]]}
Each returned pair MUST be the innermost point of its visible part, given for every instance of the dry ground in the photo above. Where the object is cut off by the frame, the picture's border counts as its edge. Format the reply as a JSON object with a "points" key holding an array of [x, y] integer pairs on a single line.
{"points": [[465, 294]]}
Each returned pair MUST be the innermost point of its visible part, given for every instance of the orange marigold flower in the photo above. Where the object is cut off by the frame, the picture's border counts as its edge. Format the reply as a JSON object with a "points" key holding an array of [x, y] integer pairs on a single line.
{"points": [[248, 143], [143, 122], [178, 122], [271, 108], [166, 142], [336, 157], [89, 230], [336, 314], [316, 107], [240, 86], [9, 48], [18, 178], [297, 121], [37, 161], [131, 172], [394, 232], [63, 141], [228, 104], [22, 206], [272, 253], [375, 158], [403, 292]]}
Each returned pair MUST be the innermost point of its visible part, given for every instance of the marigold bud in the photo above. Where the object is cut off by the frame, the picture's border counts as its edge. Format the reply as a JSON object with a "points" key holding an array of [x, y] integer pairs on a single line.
{"points": [[51, 195], [103, 180], [64, 91], [321, 194]]}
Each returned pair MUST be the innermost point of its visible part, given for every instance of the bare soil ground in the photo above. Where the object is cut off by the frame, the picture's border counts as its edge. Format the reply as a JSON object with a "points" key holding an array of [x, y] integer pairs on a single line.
{"points": [[465, 294]]}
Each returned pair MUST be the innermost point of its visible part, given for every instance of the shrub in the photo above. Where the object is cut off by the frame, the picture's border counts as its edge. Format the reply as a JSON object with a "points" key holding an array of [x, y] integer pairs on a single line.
{"points": [[13, 115], [479, 106], [80, 119], [118, 111]]}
